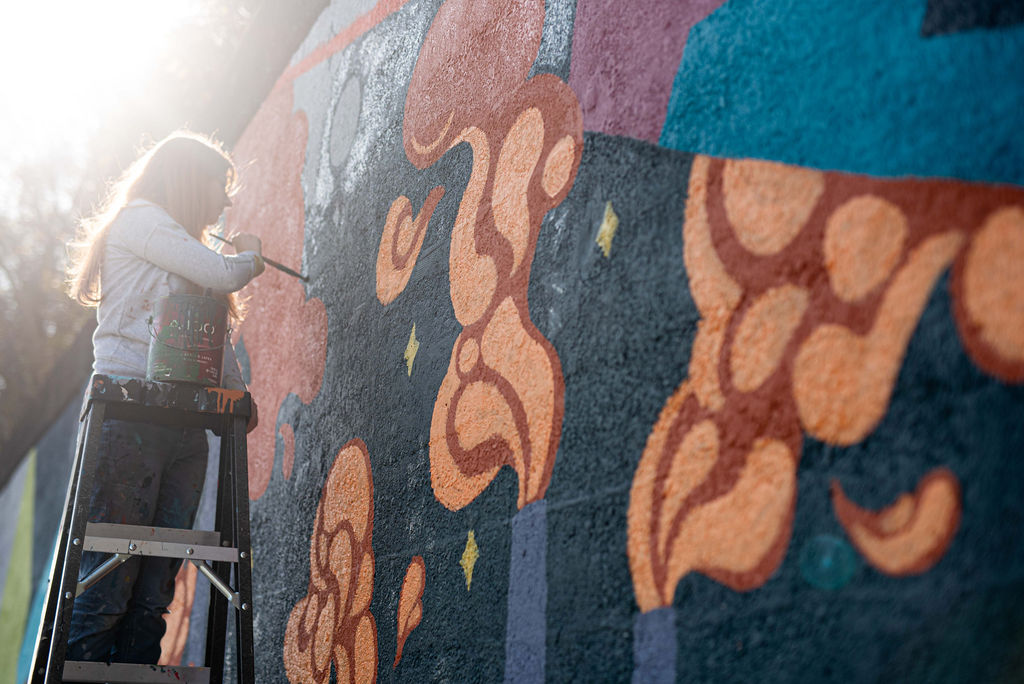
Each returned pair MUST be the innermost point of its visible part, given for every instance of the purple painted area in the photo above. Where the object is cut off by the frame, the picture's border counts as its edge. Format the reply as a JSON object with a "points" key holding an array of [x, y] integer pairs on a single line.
{"points": [[624, 59], [655, 646], [526, 629]]}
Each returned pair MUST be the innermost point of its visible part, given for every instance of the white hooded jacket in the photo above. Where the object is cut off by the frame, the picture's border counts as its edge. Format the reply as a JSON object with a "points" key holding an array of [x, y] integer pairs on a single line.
{"points": [[147, 256]]}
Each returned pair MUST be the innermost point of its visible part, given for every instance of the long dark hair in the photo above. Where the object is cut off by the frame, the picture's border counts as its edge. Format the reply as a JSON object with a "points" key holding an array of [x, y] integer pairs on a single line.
{"points": [[174, 173]]}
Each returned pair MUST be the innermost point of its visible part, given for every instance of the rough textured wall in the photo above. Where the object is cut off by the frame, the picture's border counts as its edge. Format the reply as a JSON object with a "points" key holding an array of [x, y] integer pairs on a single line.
{"points": [[759, 409], [641, 340]]}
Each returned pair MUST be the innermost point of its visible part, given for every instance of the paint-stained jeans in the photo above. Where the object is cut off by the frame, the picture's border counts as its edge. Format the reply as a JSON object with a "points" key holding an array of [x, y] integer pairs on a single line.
{"points": [[147, 475]]}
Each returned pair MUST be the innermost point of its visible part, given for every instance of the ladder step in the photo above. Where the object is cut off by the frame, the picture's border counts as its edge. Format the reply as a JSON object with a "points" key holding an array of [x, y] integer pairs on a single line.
{"points": [[168, 542], [118, 673]]}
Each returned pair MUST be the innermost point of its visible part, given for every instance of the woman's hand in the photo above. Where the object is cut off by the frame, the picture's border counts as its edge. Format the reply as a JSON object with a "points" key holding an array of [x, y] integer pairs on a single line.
{"points": [[247, 242]]}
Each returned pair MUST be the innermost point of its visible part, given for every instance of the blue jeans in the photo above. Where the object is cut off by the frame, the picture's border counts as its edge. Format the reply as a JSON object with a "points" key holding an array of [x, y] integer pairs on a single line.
{"points": [[147, 475]]}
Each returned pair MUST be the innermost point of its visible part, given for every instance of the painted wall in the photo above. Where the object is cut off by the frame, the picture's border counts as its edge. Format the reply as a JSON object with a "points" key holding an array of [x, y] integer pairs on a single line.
{"points": [[641, 340], [30, 508]]}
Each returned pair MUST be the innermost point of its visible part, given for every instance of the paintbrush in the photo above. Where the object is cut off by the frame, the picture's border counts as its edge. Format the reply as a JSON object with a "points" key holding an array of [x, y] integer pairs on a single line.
{"points": [[269, 262]]}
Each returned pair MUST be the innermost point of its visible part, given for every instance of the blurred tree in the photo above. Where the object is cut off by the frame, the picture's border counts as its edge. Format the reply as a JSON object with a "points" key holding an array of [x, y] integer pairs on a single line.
{"points": [[39, 321], [213, 74]]}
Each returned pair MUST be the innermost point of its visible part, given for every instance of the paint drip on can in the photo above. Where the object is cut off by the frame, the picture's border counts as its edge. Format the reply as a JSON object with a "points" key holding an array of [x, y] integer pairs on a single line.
{"points": [[187, 337]]}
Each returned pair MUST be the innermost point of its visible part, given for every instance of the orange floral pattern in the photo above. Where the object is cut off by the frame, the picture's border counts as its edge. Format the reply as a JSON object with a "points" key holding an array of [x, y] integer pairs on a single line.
{"points": [[502, 400], [809, 286], [333, 623]]}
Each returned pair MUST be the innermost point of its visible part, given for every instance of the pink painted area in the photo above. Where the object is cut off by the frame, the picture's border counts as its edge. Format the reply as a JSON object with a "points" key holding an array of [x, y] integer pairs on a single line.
{"points": [[270, 156], [624, 60]]}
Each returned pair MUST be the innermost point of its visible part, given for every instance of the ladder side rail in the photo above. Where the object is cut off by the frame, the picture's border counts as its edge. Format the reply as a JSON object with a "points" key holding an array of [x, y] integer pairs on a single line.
{"points": [[243, 568], [217, 615], [73, 552], [45, 632]]}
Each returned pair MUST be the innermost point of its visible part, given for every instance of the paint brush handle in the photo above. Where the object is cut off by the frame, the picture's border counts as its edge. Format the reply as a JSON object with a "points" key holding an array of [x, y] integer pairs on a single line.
{"points": [[268, 262], [284, 269]]}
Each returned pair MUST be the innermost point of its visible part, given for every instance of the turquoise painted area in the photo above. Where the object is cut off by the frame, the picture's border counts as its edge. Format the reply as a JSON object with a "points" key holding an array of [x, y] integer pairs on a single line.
{"points": [[35, 614], [851, 86], [828, 562]]}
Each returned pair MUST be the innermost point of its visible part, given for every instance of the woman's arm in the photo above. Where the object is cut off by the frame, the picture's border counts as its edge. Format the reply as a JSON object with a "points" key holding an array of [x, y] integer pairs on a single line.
{"points": [[166, 245]]}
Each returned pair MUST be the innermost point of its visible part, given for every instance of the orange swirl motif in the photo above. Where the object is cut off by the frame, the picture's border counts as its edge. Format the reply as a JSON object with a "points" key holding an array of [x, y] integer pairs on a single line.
{"points": [[333, 621], [400, 244], [910, 536], [410, 603], [502, 399], [809, 287]]}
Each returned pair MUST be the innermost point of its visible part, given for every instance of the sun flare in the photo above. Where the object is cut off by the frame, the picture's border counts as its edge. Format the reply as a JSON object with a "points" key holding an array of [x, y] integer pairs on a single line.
{"points": [[67, 63]]}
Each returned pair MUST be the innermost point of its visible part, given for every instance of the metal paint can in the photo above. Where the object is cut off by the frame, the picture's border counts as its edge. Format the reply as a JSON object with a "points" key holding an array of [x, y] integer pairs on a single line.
{"points": [[187, 335]]}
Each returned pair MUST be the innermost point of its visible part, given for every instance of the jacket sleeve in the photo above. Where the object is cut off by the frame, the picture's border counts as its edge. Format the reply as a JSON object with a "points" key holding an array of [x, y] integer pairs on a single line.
{"points": [[168, 246]]}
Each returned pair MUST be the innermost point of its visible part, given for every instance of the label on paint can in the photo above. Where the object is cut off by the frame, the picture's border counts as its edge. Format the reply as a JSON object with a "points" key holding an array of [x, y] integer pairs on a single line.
{"points": [[187, 337]]}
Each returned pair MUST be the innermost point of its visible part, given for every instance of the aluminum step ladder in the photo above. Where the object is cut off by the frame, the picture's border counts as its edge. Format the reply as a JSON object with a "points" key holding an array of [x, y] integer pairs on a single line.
{"points": [[217, 554]]}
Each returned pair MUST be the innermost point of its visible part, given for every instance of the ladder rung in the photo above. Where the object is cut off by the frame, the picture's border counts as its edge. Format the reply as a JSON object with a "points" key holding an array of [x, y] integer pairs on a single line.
{"points": [[116, 673], [137, 540], [164, 534]]}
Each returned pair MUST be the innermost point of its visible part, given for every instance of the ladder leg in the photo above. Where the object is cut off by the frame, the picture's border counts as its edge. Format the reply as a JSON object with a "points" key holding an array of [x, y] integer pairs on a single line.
{"points": [[42, 648], [243, 570], [73, 552], [216, 621]]}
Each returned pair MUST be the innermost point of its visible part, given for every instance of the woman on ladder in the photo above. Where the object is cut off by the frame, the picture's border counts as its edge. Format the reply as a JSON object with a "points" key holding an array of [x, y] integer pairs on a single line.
{"points": [[147, 242]]}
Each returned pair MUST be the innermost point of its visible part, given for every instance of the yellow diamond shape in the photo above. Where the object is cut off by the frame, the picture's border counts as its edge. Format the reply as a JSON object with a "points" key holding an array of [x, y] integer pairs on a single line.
{"points": [[609, 225], [411, 349], [469, 556]]}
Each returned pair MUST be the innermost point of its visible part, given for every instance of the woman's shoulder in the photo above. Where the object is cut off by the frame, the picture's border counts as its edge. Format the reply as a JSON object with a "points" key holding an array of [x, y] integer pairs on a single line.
{"points": [[144, 211], [137, 220]]}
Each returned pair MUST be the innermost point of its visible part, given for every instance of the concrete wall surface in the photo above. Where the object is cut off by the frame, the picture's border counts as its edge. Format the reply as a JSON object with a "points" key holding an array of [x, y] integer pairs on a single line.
{"points": [[642, 341]]}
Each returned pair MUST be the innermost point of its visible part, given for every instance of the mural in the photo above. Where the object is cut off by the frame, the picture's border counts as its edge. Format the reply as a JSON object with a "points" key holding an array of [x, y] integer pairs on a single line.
{"points": [[501, 401], [809, 287], [734, 292]]}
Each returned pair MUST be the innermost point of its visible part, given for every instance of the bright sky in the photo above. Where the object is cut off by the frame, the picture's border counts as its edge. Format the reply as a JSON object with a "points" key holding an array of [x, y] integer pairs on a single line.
{"points": [[64, 63]]}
